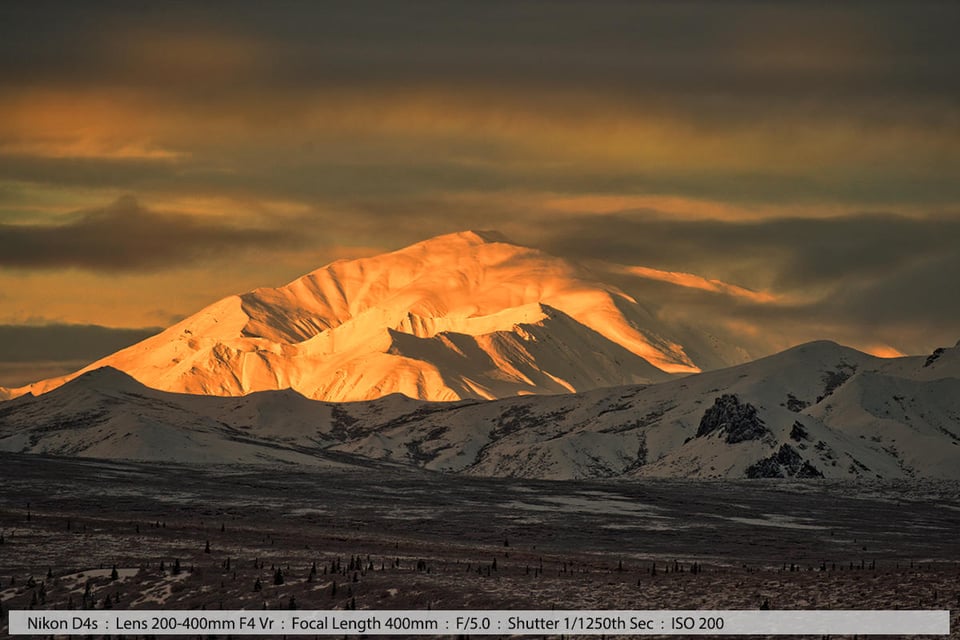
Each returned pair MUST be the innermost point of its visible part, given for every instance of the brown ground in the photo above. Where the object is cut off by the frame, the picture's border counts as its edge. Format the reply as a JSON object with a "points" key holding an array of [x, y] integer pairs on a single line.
{"points": [[84, 519]]}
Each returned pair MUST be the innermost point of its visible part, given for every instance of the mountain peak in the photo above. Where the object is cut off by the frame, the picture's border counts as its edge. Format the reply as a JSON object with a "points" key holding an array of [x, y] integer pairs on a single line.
{"points": [[107, 377], [489, 235], [101, 380], [461, 315], [469, 236]]}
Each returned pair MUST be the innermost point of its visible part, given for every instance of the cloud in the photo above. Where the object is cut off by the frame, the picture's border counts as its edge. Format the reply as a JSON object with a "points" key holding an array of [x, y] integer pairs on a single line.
{"points": [[125, 236], [795, 252], [33, 352], [742, 103], [18, 374], [86, 173], [28, 343], [29, 353], [693, 281], [727, 140], [595, 70], [709, 54], [864, 279], [883, 351], [921, 293]]}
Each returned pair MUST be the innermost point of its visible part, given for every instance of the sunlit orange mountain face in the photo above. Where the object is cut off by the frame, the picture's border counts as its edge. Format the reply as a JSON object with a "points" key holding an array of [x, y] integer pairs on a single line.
{"points": [[464, 315]]}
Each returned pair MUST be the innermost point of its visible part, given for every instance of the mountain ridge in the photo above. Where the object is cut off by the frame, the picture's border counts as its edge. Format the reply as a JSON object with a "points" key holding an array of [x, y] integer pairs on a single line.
{"points": [[815, 410], [341, 332]]}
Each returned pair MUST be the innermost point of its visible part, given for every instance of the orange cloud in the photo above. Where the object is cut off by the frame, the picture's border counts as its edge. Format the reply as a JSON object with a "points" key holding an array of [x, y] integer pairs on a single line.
{"points": [[557, 131], [883, 351], [678, 207], [68, 124], [90, 147], [694, 281]]}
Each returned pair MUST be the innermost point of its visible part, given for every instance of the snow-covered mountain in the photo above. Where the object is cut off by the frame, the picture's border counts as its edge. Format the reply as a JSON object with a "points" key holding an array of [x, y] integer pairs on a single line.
{"points": [[465, 315], [819, 409]]}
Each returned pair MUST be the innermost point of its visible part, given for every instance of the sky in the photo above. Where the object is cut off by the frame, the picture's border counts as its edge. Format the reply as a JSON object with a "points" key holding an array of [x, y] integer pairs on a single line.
{"points": [[155, 157]]}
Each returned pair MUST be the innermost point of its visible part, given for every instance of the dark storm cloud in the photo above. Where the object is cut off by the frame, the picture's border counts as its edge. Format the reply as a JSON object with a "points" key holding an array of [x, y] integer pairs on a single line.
{"points": [[924, 293], [122, 173], [801, 251], [18, 374], [383, 123], [125, 236], [861, 271], [25, 344], [240, 86], [717, 58], [31, 353], [329, 180]]}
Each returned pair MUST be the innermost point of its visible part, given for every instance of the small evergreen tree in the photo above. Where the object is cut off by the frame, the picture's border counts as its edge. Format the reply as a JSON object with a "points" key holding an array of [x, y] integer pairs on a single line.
{"points": [[278, 577], [114, 574]]}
